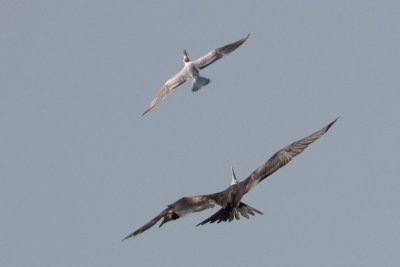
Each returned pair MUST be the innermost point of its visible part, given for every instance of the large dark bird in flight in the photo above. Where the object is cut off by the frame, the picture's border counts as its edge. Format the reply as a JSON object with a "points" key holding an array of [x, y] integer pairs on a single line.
{"points": [[230, 198]]}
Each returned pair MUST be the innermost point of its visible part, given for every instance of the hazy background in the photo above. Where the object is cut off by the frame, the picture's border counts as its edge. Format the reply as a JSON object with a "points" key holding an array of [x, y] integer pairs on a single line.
{"points": [[80, 168]]}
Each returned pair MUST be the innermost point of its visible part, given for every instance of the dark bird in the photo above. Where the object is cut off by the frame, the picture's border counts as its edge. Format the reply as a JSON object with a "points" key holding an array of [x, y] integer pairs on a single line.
{"points": [[191, 70], [230, 198]]}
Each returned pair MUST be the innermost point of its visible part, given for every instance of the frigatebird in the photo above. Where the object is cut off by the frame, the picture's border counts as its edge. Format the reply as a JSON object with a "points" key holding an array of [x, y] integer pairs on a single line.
{"points": [[230, 198], [191, 70]]}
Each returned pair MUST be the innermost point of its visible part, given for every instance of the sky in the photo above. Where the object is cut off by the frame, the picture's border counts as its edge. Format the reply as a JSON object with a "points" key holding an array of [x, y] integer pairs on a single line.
{"points": [[80, 168]]}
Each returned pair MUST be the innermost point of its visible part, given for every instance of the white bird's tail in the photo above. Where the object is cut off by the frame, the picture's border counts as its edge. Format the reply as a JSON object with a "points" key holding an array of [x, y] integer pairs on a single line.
{"points": [[199, 82]]}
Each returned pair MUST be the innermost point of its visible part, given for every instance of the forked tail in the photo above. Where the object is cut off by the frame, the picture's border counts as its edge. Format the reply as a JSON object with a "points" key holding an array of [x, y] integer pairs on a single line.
{"points": [[199, 82], [228, 214]]}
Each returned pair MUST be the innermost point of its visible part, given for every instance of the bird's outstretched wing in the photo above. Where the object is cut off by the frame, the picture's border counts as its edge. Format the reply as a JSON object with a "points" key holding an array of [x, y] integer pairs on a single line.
{"points": [[178, 209], [147, 225], [281, 158], [168, 86], [216, 54]]}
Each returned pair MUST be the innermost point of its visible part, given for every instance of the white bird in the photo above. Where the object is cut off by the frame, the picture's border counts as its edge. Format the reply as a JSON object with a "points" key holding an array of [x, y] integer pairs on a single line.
{"points": [[191, 70], [230, 198]]}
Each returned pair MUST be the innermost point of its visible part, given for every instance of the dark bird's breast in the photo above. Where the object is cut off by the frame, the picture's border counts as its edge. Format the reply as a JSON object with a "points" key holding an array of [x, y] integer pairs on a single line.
{"points": [[232, 196]]}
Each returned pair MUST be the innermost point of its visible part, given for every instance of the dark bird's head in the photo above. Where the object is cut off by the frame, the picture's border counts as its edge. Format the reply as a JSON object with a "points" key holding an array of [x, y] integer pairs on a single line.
{"points": [[185, 56], [170, 216]]}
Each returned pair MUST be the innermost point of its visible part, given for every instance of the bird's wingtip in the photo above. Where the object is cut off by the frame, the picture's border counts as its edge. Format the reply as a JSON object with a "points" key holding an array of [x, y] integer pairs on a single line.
{"points": [[129, 236], [147, 110], [330, 124]]}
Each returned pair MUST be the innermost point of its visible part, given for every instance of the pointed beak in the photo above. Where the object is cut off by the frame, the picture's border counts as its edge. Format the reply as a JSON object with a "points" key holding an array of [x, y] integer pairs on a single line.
{"points": [[233, 173], [234, 180], [185, 56]]}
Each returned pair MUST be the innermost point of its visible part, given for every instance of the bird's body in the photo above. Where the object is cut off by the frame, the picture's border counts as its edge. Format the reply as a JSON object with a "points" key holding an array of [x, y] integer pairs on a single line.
{"points": [[191, 70], [230, 199]]}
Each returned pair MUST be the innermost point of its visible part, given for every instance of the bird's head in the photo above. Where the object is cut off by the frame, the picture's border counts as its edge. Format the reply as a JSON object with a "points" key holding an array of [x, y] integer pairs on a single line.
{"points": [[234, 180], [170, 216], [185, 56]]}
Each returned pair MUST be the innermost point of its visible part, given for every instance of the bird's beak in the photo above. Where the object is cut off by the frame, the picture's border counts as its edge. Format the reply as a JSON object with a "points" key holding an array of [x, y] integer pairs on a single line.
{"points": [[234, 180]]}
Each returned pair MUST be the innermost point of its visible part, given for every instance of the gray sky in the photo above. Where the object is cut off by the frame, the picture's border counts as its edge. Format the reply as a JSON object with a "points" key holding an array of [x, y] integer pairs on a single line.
{"points": [[80, 168]]}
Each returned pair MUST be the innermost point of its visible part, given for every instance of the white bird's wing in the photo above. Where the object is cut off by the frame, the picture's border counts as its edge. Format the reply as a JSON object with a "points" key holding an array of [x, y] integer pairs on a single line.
{"points": [[281, 158], [216, 54], [168, 86]]}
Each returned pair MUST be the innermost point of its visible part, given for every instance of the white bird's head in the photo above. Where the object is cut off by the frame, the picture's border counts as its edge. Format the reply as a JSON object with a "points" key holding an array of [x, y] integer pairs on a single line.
{"points": [[185, 56], [234, 180]]}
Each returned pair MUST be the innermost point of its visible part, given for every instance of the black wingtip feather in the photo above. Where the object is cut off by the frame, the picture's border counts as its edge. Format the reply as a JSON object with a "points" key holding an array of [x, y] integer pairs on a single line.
{"points": [[330, 124]]}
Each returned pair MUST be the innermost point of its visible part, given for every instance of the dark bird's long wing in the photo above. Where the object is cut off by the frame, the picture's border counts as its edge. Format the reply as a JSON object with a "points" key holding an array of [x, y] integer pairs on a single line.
{"points": [[216, 54], [168, 86], [281, 158], [178, 209], [147, 225]]}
